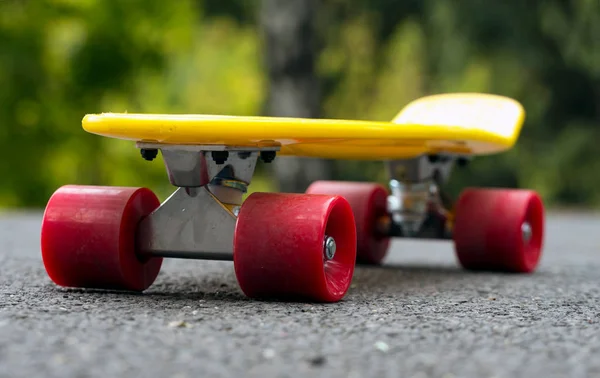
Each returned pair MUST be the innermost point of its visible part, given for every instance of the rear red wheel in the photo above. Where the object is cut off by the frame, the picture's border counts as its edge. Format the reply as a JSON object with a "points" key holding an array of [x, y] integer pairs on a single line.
{"points": [[499, 229], [369, 205], [295, 246], [88, 238]]}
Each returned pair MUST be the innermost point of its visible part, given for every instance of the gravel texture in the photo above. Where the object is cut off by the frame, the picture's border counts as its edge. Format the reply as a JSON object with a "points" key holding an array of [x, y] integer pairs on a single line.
{"points": [[417, 316]]}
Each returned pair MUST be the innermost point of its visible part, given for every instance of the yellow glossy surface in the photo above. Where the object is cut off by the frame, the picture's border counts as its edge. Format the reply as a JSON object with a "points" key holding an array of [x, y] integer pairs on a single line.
{"points": [[454, 123]]}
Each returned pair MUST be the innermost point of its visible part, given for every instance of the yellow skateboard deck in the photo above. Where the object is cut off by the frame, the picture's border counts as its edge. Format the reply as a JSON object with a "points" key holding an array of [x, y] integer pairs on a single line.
{"points": [[461, 123]]}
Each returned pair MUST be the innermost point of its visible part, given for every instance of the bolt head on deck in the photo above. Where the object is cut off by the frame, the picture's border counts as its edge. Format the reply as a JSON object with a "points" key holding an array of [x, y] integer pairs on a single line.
{"points": [[267, 156], [220, 157], [149, 154]]}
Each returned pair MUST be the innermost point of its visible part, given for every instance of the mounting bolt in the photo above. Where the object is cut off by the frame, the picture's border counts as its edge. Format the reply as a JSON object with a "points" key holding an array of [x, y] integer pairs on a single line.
{"points": [[462, 162], [433, 158], [149, 153], [244, 155], [526, 232], [267, 156], [329, 247], [220, 157]]}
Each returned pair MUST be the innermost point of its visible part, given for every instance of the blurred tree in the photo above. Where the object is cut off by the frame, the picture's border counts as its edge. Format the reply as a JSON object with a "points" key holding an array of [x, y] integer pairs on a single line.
{"points": [[61, 59], [288, 29]]}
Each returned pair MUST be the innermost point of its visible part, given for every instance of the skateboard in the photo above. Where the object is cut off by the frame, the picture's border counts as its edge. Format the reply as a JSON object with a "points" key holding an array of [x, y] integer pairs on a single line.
{"points": [[295, 246]]}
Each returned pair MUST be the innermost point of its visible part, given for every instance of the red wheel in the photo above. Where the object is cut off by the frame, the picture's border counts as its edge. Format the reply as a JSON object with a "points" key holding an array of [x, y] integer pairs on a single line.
{"points": [[282, 242], [499, 229], [369, 205], [88, 238]]}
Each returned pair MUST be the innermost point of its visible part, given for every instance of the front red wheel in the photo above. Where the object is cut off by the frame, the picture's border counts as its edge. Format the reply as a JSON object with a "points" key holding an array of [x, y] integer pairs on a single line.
{"points": [[499, 229], [369, 205], [295, 246], [88, 238]]}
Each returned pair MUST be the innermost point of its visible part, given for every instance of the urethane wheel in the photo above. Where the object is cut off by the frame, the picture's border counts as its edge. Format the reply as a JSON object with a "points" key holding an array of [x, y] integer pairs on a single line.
{"points": [[88, 238], [295, 246], [369, 205], [499, 230]]}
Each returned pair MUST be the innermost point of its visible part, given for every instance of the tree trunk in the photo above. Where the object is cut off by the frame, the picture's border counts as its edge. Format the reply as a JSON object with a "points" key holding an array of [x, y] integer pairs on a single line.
{"points": [[288, 28]]}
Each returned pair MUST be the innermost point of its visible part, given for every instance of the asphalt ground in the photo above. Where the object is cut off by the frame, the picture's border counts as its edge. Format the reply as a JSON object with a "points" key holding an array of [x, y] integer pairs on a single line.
{"points": [[419, 315]]}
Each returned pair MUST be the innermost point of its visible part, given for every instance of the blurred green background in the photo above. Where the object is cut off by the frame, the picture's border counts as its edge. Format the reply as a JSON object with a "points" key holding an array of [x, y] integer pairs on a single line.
{"points": [[61, 59]]}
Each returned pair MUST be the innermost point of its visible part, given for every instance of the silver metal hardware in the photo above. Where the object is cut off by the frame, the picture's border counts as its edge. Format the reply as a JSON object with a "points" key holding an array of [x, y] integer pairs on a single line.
{"points": [[329, 247], [192, 166], [226, 195], [191, 223], [526, 232], [198, 220], [408, 205], [414, 191], [421, 169]]}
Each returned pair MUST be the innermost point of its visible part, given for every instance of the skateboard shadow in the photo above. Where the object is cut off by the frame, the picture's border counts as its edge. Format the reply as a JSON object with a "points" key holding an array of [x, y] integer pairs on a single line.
{"points": [[369, 281], [391, 279], [420, 278]]}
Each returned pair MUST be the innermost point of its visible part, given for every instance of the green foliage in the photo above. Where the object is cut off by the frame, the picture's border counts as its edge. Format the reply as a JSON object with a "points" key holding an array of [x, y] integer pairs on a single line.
{"points": [[544, 54], [61, 59]]}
